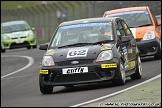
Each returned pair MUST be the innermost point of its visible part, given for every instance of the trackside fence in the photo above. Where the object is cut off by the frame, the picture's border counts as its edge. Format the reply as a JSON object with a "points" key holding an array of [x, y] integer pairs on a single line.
{"points": [[46, 17]]}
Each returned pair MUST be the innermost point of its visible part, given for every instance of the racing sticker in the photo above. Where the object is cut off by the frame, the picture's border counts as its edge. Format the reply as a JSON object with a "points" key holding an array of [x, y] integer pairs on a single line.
{"points": [[124, 50], [106, 47], [77, 52], [84, 25], [112, 65], [19, 40], [74, 70], [126, 12], [43, 71], [50, 52], [131, 64], [133, 30], [130, 50]]}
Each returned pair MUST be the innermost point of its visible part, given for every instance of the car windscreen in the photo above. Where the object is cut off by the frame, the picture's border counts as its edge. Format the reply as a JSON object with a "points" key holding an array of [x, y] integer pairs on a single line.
{"points": [[82, 34], [134, 18], [9, 28]]}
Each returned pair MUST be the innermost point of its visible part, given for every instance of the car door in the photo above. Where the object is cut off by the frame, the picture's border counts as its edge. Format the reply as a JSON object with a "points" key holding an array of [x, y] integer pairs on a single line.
{"points": [[127, 48], [131, 46]]}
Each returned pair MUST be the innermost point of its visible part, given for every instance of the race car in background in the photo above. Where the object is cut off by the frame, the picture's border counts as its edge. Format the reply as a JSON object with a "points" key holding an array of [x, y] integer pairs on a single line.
{"points": [[89, 51], [158, 18], [17, 34], [144, 27]]}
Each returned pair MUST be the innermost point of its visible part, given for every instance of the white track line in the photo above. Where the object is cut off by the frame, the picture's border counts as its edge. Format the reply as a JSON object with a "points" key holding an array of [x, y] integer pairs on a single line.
{"points": [[20, 76], [116, 92], [31, 61]]}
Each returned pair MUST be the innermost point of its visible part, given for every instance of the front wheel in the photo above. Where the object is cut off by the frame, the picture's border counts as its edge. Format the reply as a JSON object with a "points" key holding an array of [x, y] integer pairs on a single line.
{"points": [[122, 77], [138, 72], [29, 47], [3, 50], [157, 56], [45, 89], [34, 46]]}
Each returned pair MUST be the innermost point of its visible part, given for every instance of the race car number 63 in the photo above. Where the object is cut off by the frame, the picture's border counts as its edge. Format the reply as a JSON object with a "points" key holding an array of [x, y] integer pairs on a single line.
{"points": [[77, 53]]}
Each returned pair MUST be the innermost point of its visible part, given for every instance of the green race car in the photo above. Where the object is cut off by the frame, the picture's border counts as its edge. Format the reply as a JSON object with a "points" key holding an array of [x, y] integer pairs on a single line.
{"points": [[17, 34]]}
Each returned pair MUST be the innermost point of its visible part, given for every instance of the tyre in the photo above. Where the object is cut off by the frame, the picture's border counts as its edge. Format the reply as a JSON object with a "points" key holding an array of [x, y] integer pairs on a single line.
{"points": [[3, 50], [69, 86], [34, 46], [29, 47], [157, 56], [45, 89], [138, 72], [122, 76]]}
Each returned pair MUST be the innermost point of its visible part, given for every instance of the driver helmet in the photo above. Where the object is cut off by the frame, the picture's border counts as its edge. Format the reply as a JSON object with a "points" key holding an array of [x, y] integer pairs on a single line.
{"points": [[73, 37]]}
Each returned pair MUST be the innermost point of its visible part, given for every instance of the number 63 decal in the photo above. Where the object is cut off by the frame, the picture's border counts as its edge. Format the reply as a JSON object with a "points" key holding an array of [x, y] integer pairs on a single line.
{"points": [[77, 53]]}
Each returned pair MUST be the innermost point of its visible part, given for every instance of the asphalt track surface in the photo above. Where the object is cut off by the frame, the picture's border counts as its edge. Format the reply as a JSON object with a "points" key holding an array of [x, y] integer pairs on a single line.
{"points": [[20, 83]]}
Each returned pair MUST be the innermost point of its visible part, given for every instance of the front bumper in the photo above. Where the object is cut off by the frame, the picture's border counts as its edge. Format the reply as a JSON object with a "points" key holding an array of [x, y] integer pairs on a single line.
{"points": [[149, 47], [19, 43], [95, 74]]}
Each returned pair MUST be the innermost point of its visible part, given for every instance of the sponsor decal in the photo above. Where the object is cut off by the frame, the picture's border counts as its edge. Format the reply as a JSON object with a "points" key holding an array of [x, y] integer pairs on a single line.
{"points": [[50, 52], [133, 30], [74, 70], [43, 71], [83, 25], [131, 64], [124, 50], [106, 47], [19, 40], [112, 65], [130, 50], [81, 52], [127, 12]]}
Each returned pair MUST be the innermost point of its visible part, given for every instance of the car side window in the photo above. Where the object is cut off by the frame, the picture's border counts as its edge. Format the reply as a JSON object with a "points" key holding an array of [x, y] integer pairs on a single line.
{"points": [[119, 29], [126, 28], [154, 18]]}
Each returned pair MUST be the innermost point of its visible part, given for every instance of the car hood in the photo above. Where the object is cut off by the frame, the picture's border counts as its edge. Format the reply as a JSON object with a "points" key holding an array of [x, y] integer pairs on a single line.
{"points": [[75, 53], [139, 32], [17, 34]]}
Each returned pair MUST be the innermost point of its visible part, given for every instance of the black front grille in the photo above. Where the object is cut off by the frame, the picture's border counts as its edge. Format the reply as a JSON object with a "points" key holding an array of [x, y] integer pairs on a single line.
{"points": [[147, 50], [19, 45], [68, 62], [76, 77], [17, 37], [142, 51]]}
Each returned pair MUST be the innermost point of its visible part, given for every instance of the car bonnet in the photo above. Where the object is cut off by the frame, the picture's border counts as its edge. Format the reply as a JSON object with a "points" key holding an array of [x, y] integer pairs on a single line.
{"points": [[139, 32], [84, 52], [17, 34]]}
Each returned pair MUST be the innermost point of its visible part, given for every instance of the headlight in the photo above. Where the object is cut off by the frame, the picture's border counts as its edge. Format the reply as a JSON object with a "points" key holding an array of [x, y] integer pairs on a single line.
{"points": [[5, 37], [149, 35], [105, 55], [30, 34], [48, 61]]}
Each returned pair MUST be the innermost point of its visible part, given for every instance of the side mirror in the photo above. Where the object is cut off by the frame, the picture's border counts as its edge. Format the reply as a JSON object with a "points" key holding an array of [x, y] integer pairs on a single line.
{"points": [[33, 28], [125, 39], [159, 22], [43, 46]]}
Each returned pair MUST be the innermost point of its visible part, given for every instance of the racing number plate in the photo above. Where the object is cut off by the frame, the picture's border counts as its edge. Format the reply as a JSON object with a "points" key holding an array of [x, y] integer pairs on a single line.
{"points": [[19, 40], [74, 70], [77, 52]]}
